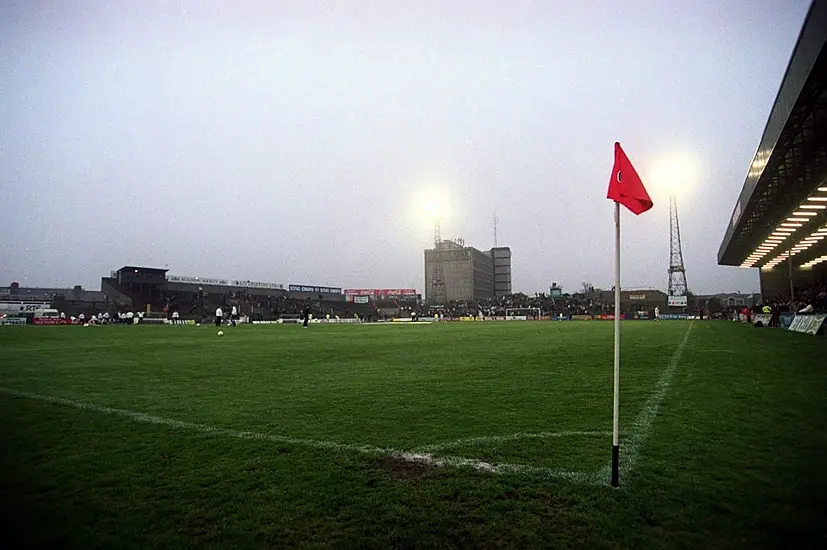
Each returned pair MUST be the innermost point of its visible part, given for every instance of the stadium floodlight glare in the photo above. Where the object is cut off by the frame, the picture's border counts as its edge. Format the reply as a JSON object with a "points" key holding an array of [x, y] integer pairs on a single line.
{"points": [[815, 261], [798, 219], [674, 173], [792, 224], [813, 206], [823, 189], [818, 199], [805, 213]]}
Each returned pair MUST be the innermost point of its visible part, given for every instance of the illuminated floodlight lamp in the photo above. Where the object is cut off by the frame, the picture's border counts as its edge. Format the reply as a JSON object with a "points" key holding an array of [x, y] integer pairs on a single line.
{"points": [[674, 173], [823, 189], [804, 213], [798, 219], [818, 199], [812, 206], [791, 224]]}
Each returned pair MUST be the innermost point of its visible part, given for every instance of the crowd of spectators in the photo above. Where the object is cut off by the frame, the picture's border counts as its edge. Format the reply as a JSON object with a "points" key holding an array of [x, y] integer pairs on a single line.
{"points": [[202, 305], [811, 299], [565, 304]]}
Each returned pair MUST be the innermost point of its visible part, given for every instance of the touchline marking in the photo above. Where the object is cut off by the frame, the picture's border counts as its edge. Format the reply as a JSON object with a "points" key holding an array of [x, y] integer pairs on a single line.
{"points": [[509, 437], [424, 458], [642, 426], [204, 428], [502, 467]]}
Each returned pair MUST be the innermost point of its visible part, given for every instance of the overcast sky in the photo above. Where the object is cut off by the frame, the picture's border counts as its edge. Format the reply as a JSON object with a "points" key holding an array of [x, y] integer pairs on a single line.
{"points": [[298, 142]]}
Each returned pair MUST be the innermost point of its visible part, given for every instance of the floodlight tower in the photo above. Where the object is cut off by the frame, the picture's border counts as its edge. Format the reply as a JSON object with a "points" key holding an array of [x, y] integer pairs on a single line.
{"points": [[437, 280], [677, 272]]}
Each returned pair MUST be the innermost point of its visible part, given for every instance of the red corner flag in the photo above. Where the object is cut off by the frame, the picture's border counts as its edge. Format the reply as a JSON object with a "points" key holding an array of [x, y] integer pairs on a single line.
{"points": [[625, 186]]}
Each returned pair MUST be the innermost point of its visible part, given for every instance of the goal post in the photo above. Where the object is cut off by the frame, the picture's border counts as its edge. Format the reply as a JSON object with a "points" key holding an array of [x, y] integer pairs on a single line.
{"points": [[523, 314]]}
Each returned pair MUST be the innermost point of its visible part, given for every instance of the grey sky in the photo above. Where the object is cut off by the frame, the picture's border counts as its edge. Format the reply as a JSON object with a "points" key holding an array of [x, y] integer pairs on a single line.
{"points": [[292, 142]]}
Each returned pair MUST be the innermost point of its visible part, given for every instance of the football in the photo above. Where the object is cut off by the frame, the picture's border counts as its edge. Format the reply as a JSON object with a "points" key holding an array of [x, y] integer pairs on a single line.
{"points": [[221, 333]]}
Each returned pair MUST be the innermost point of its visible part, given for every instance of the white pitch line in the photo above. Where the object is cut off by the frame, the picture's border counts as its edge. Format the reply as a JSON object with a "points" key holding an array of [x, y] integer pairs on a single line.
{"points": [[642, 426], [424, 458], [502, 467], [509, 437], [204, 428]]}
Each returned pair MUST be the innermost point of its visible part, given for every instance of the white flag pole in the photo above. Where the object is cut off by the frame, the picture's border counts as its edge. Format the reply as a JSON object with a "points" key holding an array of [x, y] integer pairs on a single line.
{"points": [[616, 417]]}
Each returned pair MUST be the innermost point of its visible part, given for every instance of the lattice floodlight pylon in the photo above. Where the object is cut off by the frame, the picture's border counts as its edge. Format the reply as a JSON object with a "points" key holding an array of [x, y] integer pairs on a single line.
{"points": [[677, 272]]}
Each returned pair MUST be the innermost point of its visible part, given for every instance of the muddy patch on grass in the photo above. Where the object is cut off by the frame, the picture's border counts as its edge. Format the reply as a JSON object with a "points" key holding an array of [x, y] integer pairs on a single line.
{"points": [[400, 468]]}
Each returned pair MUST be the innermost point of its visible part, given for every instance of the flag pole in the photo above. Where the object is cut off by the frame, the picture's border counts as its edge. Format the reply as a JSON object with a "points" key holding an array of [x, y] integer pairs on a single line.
{"points": [[616, 404]]}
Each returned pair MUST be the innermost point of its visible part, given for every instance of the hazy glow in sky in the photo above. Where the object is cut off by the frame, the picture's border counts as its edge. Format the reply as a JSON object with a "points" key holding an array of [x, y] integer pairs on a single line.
{"points": [[301, 142]]}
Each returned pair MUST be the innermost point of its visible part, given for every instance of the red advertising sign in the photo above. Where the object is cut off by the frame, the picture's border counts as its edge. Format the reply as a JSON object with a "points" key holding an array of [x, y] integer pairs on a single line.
{"points": [[50, 321]]}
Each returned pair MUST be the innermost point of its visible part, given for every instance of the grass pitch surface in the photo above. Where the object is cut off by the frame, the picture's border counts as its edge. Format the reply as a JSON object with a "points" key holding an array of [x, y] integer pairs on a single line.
{"points": [[444, 435]]}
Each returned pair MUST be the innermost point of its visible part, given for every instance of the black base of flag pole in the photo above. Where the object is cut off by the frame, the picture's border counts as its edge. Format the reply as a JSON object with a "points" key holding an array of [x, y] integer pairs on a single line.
{"points": [[615, 463]]}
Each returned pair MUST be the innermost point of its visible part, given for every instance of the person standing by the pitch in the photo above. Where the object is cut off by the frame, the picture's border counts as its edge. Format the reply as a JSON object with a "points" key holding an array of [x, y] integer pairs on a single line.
{"points": [[234, 315], [306, 315], [219, 316]]}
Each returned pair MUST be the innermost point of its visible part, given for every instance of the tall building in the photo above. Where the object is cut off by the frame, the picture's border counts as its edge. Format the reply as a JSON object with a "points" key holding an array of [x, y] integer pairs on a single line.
{"points": [[502, 270], [468, 273]]}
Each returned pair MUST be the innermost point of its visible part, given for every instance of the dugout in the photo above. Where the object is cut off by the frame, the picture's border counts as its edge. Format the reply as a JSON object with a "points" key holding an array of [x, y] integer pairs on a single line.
{"points": [[779, 223]]}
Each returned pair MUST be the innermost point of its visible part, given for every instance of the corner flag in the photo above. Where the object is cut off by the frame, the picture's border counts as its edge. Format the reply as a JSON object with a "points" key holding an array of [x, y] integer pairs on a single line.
{"points": [[625, 185], [626, 188]]}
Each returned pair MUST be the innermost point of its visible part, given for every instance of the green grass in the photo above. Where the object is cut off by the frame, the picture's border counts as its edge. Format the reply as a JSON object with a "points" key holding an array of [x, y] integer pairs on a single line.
{"points": [[734, 458]]}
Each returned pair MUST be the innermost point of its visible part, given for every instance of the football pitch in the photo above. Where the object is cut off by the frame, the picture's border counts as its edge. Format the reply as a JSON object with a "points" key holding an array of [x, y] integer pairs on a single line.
{"points": [[448, 435]]}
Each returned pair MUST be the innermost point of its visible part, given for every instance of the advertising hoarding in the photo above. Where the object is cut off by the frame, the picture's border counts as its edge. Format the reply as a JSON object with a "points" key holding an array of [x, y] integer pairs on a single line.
{"points": [[677, 301], [223, 282], [378, 293], [315, 289]]}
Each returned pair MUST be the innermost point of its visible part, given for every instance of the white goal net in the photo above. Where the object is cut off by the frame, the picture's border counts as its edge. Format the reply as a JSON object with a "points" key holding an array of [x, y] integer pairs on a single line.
{"points": [[523, 314]]}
